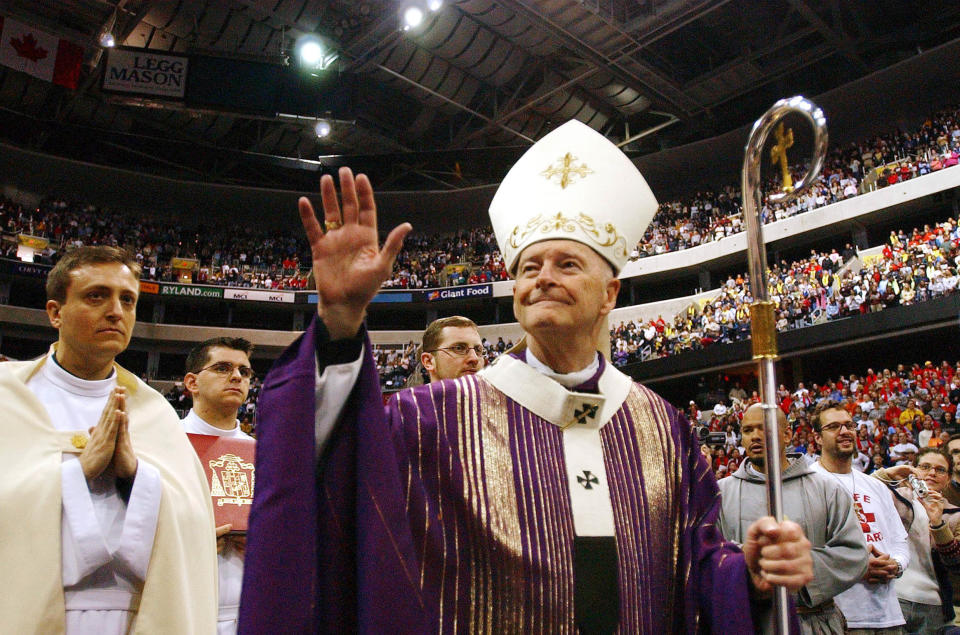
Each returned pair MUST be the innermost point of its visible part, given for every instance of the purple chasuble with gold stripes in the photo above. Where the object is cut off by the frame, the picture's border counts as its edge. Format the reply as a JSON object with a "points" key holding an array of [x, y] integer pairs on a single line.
{"points": [[487, 499]]}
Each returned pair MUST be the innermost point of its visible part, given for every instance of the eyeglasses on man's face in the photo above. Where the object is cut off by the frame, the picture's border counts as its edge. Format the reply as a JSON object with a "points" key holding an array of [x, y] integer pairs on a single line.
{"points": [[927, 467], [226, 369], [462, 350], [836, 427]]}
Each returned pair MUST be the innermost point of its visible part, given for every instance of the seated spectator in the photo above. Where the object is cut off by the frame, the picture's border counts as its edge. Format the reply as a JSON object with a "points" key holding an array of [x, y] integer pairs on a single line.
{"points": [[904, 451]]}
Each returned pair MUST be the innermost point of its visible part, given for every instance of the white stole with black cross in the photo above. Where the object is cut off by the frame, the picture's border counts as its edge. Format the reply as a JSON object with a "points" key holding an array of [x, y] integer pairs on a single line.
{"points": [[581, 416]]}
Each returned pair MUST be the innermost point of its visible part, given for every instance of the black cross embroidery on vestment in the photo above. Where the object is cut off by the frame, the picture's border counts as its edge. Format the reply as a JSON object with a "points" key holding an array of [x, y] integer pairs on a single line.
{"points": [[588, 411], [588, 480]]}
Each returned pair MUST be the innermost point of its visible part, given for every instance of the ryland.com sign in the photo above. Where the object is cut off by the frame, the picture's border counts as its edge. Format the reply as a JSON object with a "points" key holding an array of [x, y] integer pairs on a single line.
{"points": [[144, 72], [190, 291]]}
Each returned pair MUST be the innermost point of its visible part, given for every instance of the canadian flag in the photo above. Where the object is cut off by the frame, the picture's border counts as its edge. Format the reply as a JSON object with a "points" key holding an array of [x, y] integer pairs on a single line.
{"points": [[35, 52]]}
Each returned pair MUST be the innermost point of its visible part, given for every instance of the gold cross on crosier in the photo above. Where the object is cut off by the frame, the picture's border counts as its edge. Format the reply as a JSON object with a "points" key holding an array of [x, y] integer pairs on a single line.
{"points": [[778, 154], [567, 170]]}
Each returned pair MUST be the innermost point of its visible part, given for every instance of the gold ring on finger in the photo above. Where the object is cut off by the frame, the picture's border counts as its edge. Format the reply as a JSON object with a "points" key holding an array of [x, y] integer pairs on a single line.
{"points": [[330, 225]]}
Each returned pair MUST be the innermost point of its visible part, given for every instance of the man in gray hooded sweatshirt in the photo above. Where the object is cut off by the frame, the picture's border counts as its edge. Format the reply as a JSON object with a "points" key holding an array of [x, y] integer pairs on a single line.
{"points": [[817, 504]]}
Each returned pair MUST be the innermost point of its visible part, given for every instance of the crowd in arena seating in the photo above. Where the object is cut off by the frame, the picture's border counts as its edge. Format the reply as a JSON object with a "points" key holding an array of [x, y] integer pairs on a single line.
{"points": [[912, 268], [423, 260], [896, 412], [714, 214], [278, 259]]}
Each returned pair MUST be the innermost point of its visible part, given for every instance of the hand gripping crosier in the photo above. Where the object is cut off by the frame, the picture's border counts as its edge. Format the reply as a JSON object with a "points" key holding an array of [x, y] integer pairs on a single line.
{"points": [[762, 318]]}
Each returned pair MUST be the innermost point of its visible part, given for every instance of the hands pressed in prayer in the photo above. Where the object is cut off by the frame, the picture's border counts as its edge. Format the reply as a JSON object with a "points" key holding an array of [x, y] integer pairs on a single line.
{"points": [[777, 554], [348, 264], [124, 458], [101, 448]]}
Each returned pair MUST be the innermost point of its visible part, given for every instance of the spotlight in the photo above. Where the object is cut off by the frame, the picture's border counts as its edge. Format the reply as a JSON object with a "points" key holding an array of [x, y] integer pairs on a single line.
{"points": [[311, 53], [434, 5], [322, 128], [412, 17], [106, 40]]}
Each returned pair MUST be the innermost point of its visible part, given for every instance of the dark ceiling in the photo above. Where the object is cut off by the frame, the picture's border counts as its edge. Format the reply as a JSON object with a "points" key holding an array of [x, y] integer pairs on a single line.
{"points": [[452, 103]]}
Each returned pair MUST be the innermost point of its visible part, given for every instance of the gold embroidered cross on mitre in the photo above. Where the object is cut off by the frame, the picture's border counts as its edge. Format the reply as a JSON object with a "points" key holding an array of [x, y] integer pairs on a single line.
{"points": [[567, 169]]}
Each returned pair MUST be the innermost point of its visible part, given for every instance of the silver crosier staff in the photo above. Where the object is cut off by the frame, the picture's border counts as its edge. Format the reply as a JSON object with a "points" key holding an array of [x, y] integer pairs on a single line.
{"points": [[762, 311]]}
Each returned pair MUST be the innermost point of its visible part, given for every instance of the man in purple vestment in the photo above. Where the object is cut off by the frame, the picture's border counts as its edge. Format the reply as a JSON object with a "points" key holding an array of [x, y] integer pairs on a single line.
{"points": [[547, 493]]}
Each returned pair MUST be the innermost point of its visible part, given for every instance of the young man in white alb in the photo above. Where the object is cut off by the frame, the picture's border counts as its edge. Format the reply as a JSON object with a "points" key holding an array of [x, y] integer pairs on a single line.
{"points": [[218, 378], [106, 513]]}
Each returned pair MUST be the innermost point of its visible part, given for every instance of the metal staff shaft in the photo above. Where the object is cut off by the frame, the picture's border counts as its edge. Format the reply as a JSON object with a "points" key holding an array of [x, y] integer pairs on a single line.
{"points": [[762, 311]]}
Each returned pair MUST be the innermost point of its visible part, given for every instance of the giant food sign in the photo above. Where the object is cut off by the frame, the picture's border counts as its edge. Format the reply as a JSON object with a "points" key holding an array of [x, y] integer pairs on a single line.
{"points": [[144, 72], [458, 293]]}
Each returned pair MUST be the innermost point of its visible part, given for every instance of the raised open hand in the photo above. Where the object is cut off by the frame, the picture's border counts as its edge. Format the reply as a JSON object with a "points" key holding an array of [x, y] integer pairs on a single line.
{"points": [[348, 264]]}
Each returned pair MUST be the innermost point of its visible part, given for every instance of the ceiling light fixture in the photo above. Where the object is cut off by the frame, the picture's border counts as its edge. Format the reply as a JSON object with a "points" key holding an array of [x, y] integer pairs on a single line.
{"points": [[310, 52], [106, 40], [322, 128], [313, 54], [412, 17]]}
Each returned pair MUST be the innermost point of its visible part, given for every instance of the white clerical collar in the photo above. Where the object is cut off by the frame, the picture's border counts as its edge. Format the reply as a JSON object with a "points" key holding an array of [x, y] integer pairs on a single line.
{"points": [[568, 380], [64, 380], [202, 427]]}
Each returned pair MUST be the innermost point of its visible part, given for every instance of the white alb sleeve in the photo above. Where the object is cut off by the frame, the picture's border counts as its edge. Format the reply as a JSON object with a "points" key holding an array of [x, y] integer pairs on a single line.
{"points": [[85, 546], [140, 521], [332, 388]]}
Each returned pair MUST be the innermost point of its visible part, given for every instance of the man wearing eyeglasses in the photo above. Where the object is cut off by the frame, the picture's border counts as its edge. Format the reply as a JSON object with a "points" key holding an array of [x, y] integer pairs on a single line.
{"points": [[104, 508], [218, 378], [871, 605], [452, 348]]}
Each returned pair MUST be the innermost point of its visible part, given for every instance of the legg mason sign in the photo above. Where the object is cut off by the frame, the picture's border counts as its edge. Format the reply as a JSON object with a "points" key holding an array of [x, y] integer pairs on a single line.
{"points": [[145, 72]]}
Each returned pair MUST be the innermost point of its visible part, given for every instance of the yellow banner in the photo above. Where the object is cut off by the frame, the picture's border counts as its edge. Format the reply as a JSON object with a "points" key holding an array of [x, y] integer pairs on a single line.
{"points": [[34, 242], [184, 263]]}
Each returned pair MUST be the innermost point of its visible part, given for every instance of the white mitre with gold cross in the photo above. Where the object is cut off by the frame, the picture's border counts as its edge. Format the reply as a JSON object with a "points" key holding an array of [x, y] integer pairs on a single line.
{"points": [[572, 184]]}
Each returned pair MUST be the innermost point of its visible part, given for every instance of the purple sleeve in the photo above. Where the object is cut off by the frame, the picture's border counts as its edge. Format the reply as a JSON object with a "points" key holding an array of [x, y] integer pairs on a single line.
{"points": [[328, 546]]}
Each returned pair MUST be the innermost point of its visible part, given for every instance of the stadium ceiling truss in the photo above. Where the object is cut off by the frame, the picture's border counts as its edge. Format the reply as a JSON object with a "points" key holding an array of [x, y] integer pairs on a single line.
{"points": [[451, 103]]}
